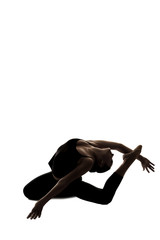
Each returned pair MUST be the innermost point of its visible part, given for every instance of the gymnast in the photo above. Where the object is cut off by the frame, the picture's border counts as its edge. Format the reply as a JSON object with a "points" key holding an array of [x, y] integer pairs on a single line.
{"points": [[71, 161]]}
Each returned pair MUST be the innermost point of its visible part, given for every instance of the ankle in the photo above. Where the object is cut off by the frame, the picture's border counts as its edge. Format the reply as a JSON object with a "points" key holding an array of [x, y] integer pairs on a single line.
{"points": [[122, 169]]}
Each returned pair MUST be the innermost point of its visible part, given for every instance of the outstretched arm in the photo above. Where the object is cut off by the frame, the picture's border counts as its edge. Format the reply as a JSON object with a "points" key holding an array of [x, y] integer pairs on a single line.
{"points": [[113, 145], [84, 166], [146, 164]]}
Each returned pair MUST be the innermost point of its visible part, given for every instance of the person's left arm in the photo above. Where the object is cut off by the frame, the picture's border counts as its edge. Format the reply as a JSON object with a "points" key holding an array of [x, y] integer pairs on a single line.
{"points": [[146, 164], [113, 145]]}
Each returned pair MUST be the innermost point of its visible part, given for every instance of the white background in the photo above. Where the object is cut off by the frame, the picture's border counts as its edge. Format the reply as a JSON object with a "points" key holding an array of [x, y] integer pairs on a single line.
{"points": [[84, 69]]}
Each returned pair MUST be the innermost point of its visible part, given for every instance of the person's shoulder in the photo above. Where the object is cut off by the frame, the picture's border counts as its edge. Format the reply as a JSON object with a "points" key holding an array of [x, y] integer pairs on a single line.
{"points": [[73, 140]]}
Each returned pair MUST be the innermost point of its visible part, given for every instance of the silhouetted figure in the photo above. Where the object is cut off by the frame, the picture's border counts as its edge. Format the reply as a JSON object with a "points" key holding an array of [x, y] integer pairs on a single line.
{"points": [[72, 160]]}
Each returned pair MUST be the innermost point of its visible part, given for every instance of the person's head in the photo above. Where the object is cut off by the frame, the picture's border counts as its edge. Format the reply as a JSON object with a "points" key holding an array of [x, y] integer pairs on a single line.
{"points": [[103, 160]]}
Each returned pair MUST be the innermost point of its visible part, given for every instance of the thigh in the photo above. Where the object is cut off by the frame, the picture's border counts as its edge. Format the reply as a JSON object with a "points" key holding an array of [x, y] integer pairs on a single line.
{"points": [[39, 186], [105, 195], [42, 184]]}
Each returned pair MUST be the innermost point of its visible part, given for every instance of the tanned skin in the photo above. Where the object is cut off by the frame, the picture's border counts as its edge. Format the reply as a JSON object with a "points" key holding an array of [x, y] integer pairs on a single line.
{"points": [[93, 149]]}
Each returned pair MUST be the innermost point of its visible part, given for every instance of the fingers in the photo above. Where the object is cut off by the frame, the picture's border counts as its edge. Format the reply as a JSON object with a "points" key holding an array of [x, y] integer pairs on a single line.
{"points": [[147, 170], [29, 215], [36, 211], [34, 215], [152, 163], [151, 168]]}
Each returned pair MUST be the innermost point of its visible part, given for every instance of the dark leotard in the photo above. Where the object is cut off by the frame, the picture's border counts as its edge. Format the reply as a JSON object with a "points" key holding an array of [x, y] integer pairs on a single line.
{"points": [[65, 159], [63, 162]]}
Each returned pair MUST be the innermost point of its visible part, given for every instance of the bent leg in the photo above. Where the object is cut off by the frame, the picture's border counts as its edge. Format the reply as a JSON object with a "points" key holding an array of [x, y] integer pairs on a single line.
{"points": [[40, 186], [93, 194]]}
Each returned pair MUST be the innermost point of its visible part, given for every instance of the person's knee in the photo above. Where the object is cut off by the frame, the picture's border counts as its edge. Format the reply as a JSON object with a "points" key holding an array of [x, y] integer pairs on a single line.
{"points": [[106, 201], [28, 193]]}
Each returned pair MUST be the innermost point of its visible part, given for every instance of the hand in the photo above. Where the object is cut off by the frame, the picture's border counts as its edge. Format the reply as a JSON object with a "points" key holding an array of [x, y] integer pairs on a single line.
{"points": [[36, 211], [147, 165]]}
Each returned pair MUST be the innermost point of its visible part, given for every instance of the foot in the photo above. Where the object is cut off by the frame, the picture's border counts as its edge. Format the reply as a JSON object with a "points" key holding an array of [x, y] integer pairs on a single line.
{"points": [[131, 156]]}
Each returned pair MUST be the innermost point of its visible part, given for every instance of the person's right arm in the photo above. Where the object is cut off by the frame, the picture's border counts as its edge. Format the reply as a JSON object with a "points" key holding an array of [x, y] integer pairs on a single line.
{"points": [[85, 164]]}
